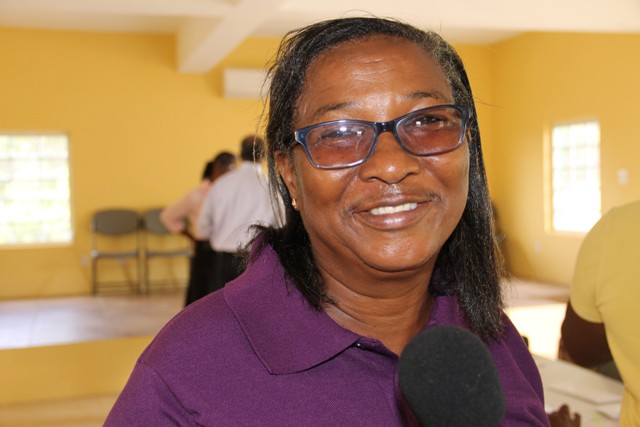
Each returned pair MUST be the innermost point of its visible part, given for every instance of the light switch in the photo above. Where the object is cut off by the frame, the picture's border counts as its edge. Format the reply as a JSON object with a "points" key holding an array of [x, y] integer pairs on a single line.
{"points": [[623, 176]]}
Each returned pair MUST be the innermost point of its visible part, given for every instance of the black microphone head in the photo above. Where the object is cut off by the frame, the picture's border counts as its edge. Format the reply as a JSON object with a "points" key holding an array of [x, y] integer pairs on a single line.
{"points": [[448, 377]]}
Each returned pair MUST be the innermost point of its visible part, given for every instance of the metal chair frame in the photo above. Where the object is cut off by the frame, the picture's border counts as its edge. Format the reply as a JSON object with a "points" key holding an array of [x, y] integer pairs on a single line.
{"points": [[152, 225], [115, 223]]}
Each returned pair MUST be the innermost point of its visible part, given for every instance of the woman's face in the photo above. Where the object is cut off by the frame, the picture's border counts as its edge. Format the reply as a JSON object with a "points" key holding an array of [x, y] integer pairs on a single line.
{"points": [[391, 214]]}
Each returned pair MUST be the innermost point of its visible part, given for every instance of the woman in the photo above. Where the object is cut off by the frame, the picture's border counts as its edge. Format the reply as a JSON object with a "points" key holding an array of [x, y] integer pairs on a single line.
{"points": [[373, 145]]}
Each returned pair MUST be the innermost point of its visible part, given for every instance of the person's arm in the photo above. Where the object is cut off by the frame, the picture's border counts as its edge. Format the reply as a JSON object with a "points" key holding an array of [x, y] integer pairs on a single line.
{"points": [[563, 418], [188, 234], [583, 342], [583, 338], [174, 216], [147, 400], [204, 225]]}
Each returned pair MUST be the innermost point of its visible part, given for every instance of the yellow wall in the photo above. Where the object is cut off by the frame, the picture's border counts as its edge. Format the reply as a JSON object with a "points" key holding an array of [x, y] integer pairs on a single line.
{"points": [[140, 131], [91, 368], [478, 63], [541, 79]]}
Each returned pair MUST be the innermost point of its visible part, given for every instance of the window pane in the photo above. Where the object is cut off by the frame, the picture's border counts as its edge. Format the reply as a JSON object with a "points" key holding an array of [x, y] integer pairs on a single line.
{"points": [[34, 189], [575, 180]]}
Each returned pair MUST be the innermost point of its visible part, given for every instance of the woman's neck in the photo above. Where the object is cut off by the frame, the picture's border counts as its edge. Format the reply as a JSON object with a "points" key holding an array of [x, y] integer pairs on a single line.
{"points": [[392, 317]]}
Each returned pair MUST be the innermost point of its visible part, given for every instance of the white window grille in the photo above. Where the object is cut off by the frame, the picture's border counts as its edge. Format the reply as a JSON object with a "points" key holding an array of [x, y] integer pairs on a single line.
{"points": [[575, 176], [35, 203]]}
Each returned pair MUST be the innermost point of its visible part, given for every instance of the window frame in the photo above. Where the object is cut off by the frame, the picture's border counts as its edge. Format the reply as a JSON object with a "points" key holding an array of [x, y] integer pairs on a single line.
{"points": [[69, 241], [549, 176]]}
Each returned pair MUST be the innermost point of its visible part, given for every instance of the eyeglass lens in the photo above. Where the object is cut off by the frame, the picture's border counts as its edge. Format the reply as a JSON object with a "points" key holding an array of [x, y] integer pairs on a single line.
{"points": [[343, 143]]}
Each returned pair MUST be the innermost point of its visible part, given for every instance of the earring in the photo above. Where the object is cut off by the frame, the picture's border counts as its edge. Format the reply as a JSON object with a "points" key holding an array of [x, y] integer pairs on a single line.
{"points": [[294, 203]]}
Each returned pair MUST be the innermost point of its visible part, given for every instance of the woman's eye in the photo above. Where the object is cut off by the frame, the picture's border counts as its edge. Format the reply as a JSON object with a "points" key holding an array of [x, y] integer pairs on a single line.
{"points": [[424, 121], [342, 135]]}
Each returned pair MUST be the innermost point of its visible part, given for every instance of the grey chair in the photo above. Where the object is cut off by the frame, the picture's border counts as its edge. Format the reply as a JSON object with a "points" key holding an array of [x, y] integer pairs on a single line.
{"points": [[115, 236], [158, 242]]}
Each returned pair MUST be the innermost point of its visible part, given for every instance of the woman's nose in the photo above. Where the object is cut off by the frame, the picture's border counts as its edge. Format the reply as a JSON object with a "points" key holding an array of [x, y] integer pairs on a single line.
{"points": [[389, 162]]}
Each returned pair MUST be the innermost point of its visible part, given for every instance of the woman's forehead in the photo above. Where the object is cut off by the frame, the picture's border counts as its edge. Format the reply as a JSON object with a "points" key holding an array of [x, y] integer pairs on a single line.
{"points": [[370, 45], [370, 56], [379, 66]]}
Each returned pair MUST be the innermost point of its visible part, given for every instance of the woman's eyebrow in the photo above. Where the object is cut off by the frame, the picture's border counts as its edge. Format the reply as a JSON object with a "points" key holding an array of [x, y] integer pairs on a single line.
{"points": [[331, 107], [424, 94]]}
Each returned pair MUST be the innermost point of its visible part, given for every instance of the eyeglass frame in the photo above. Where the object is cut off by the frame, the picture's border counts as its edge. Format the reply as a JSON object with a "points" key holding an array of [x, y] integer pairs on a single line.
{"points": [[300, 135]]}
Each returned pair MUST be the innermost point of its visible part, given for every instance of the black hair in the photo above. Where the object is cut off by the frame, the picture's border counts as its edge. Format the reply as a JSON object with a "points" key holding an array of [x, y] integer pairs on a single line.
{"points": [[208, 170], [469, 262], [252, 148], [222, 162]]}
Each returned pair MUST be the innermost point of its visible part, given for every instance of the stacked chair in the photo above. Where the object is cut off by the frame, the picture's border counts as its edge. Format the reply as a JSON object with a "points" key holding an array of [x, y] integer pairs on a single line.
{"points": [[130, 242], [115, 236], [160, 243]]}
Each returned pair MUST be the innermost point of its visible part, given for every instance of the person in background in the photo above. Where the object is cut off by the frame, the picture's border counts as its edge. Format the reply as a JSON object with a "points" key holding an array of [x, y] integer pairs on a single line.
{"points": [[232, 205], [182, 216], [373, 147], [601, 321]]}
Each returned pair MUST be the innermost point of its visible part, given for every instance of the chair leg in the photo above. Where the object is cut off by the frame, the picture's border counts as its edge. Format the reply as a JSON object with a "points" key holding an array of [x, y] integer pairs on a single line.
{"points": [[143, 274], [94, 273]]}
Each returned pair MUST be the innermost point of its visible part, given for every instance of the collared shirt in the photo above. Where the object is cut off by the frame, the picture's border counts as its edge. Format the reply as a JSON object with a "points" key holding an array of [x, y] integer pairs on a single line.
{"points": [[256, 354], [185, 212], [236, 201]]}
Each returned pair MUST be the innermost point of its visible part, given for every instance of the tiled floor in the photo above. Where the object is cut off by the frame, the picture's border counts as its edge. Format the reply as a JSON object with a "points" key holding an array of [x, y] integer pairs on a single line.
{"points": [[39, 322], [536, 309]]}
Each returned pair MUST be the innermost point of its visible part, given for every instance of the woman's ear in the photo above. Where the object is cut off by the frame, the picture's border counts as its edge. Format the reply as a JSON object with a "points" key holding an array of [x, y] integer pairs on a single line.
{"points": [[284, 164]]}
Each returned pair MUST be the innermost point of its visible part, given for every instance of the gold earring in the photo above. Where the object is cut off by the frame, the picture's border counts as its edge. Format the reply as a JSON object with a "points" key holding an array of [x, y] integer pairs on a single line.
{"points": [[294, 204]]}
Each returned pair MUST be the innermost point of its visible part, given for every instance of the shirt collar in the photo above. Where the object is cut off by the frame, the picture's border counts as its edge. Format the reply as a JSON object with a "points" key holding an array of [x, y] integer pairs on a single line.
{"points": [[285, 332]]}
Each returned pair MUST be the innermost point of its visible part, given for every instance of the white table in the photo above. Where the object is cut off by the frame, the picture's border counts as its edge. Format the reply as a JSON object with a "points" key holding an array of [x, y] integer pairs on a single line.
{"points": [[589, 393]]}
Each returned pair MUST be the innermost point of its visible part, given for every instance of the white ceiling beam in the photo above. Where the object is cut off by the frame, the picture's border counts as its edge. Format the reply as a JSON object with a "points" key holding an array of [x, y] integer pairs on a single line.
{"points": [[124, 7], [203, 42]]}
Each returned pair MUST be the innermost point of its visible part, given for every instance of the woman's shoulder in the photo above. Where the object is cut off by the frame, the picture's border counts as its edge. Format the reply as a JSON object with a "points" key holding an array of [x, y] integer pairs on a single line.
{"points": [[206, 325], [214, 322]]}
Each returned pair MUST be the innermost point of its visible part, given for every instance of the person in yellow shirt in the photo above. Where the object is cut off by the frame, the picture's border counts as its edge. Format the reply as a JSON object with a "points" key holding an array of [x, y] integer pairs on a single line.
{"points": [[602, 318]]}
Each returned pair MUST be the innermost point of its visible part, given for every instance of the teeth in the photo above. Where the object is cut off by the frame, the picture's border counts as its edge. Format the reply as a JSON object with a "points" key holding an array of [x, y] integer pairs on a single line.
{"points": [[385, 210]]}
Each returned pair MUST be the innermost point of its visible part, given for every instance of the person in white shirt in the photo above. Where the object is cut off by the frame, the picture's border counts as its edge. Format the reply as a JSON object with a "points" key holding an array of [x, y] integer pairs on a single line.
{"points": [[233, 204], [181, 218]]}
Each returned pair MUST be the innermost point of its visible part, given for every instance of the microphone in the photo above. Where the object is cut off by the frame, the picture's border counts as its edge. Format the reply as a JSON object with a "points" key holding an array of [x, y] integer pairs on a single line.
{"points": [[448, 377]]}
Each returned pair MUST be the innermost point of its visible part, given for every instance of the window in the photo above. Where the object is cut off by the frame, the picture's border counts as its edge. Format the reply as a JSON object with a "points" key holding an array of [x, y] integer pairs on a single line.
{"points": [[34, 189], [575, 176]]}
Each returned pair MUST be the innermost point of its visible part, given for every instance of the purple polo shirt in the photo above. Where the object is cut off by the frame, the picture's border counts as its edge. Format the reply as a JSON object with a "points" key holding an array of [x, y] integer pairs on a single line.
{"points": [[256, 354]]}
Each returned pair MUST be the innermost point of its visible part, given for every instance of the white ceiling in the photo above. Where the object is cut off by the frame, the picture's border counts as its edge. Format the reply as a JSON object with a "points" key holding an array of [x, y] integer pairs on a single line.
{"points": [[207, 30]]}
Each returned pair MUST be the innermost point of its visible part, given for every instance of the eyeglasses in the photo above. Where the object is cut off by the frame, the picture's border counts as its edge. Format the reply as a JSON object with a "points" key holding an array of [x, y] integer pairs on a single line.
{"points": [[347, 143]]}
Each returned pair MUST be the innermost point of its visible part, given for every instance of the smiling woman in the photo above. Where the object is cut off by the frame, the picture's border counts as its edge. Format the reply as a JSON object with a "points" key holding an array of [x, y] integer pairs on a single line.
{"points": [[393, 212], [374, 148]]}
